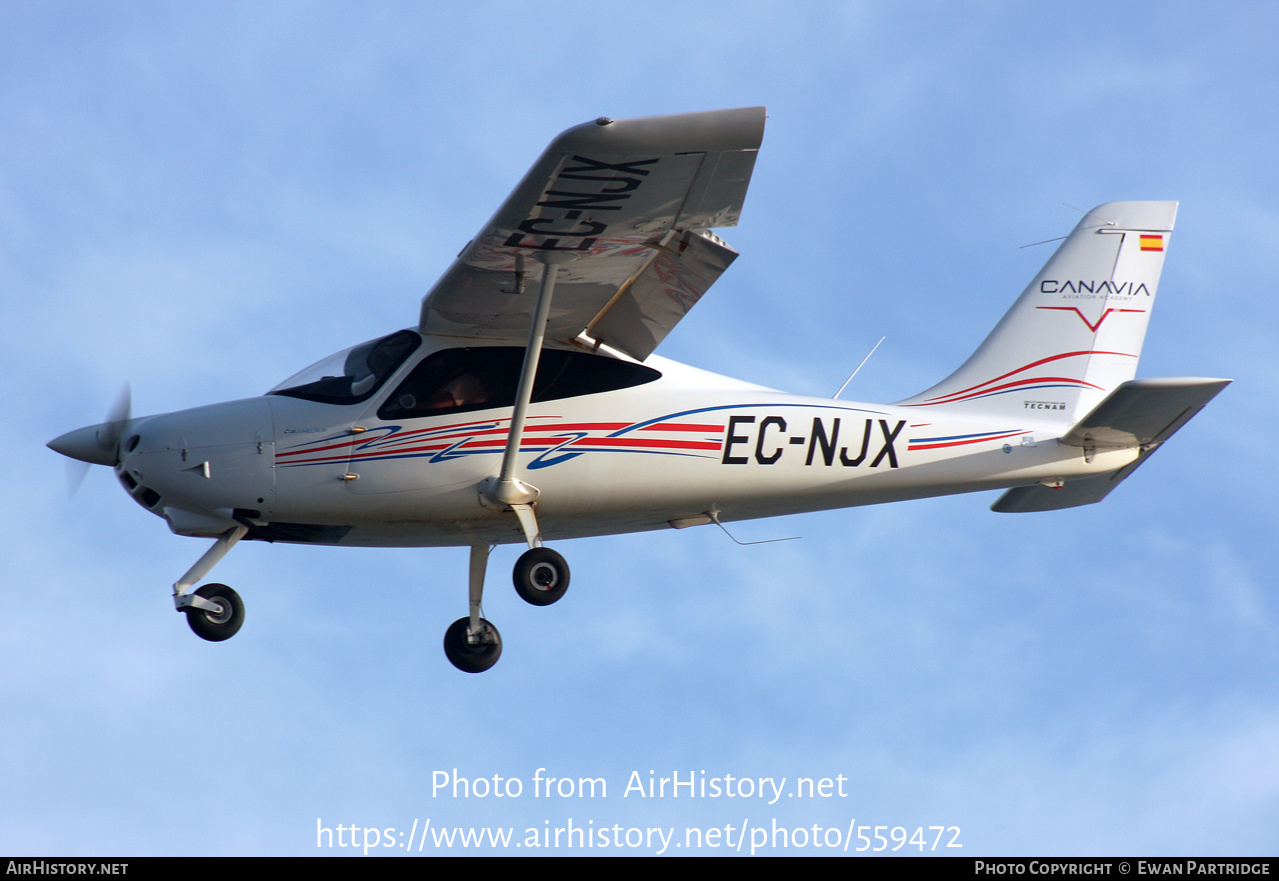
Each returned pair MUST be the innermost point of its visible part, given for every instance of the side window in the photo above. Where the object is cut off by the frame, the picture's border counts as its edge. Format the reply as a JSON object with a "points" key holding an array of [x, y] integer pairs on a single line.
{"points": [[454, 380], [572, 374], [462, 380]]}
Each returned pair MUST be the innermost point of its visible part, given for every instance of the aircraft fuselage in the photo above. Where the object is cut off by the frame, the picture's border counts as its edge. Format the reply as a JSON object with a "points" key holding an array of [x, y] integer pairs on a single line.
{"points": [[665, 453]]}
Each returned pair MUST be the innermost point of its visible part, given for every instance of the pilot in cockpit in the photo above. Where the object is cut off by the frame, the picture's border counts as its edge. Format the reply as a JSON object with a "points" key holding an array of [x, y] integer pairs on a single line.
{"points": [[462, 391]]}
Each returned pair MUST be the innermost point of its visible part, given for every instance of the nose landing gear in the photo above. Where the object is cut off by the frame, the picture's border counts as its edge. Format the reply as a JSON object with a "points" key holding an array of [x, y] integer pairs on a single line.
{"points": [[214, 612]]}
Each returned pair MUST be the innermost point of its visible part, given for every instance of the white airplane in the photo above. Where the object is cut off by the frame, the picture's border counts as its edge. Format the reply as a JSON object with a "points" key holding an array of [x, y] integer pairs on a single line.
{"points": [[526, 405]]}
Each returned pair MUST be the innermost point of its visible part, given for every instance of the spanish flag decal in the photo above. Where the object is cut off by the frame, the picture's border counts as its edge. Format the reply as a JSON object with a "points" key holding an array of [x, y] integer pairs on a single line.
{"points": [[1152, 243]]}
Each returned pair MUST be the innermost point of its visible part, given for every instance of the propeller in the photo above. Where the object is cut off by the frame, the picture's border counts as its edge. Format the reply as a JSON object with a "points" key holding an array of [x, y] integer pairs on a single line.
{"points": [[95, 444], [118, 416]]}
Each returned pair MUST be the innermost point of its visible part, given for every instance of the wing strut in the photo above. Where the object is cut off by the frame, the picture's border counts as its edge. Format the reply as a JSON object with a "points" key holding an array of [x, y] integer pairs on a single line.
{"points": [[506, 489]]}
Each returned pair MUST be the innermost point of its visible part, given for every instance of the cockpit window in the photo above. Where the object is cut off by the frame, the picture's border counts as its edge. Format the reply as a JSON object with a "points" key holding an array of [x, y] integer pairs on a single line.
{"points": [[351, 375], [461, 380]]}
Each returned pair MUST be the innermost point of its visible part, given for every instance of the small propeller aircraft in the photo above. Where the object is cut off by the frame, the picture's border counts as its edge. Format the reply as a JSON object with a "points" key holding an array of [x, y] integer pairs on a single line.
{"points": [[526, 405]]}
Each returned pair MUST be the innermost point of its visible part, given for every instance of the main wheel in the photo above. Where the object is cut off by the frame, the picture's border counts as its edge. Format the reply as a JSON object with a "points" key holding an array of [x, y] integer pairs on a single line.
{"points": [[541, 576], [217, 626], [472, 658]]}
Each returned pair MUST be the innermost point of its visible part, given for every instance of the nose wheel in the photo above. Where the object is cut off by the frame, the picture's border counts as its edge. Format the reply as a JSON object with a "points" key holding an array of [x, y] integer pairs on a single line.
{"points": [[218, 623]]}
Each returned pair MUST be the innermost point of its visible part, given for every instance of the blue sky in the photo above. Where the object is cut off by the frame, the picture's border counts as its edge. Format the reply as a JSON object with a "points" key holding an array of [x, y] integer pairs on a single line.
{"points": [[202, 200]]}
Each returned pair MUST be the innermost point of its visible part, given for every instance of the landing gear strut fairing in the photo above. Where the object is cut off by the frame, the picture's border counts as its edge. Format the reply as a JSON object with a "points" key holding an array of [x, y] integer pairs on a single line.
{"points": [[526, 404]]}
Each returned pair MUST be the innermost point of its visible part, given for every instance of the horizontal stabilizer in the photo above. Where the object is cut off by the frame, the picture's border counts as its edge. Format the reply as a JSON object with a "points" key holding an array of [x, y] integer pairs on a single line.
{"points": [[1144, 411], [1071, 494], [1140, 413]]}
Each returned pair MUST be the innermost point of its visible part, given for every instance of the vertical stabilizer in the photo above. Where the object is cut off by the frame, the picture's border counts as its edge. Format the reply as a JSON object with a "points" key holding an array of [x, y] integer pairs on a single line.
{"points": [[1075, 333]]}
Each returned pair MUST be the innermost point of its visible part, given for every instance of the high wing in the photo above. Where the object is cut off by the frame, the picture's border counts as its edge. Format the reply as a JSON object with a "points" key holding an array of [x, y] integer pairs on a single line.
{"points": [[632, 202]]}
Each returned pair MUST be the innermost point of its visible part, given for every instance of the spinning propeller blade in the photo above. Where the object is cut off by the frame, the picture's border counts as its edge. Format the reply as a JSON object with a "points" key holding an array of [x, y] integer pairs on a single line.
{"points": [[96, 444]]}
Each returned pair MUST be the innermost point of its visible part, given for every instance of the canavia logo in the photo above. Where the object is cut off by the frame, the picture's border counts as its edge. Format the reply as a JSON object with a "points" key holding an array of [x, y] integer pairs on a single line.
{"points": [[1105, 286]]}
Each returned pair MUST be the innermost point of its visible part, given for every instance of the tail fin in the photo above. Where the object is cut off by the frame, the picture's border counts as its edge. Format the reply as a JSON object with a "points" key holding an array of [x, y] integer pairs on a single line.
{"points": [[1075, 333]]}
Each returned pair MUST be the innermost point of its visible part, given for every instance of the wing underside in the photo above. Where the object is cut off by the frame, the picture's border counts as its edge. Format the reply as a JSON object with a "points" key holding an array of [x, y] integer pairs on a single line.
{"points": [[632, 202]]}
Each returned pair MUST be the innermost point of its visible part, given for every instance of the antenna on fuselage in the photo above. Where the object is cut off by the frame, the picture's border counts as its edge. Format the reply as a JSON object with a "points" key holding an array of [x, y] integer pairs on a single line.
{"points": [[859, 367]]}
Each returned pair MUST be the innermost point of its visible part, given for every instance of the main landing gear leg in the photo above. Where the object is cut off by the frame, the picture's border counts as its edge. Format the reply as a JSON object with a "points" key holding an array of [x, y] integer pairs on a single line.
{"points": [[214, 612], [472, 644]]}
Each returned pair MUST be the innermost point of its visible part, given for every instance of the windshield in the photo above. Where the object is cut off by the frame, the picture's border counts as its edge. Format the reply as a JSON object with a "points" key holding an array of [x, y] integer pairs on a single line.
{"points": [[353, 374]]}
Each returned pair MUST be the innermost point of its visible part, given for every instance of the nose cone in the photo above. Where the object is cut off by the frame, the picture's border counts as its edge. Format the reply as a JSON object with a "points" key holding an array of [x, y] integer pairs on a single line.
{"points": [[86, 444]]}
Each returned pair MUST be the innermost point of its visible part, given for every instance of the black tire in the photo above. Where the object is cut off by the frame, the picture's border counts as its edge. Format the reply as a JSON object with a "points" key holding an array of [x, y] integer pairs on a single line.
{"points": [[471, 658], [541, 576], [212, 626]]}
